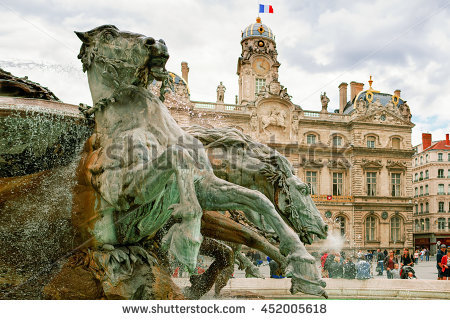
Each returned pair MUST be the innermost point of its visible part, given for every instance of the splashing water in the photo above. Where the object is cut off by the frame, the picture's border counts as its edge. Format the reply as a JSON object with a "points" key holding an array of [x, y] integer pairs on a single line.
{"points": [[334, 242]]}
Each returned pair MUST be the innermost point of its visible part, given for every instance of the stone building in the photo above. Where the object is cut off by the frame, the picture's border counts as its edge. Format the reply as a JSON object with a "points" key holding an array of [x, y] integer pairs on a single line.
{"points": [[356, 159], [431, 185]]}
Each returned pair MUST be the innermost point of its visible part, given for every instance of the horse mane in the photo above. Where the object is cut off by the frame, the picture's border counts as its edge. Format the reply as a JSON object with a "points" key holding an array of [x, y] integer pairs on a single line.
{"points": [[276, 168]]}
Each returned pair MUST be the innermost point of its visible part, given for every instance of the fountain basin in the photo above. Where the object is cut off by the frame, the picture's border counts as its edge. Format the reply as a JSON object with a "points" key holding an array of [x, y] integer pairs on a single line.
{"points": [[372, 289], [38, 135]]}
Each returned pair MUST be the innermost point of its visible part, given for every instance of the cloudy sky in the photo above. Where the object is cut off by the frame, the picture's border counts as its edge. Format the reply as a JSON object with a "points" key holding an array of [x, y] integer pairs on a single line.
{"points": [[402, 44]]}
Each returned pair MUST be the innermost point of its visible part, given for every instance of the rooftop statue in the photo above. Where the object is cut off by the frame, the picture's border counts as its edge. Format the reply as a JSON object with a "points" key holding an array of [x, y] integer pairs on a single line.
{"points": [[142, 178], [324, 100]]}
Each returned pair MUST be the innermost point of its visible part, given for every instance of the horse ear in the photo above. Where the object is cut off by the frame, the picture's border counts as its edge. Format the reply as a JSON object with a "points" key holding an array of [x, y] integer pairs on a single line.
{"points": [[83, 36]]}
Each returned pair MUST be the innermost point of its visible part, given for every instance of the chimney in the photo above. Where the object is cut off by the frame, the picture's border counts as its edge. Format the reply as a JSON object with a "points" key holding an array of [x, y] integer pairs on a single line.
{"points": [[447, 142], [355, 88], [342, 96], [185, 71], [426, 140], [397, 93]]}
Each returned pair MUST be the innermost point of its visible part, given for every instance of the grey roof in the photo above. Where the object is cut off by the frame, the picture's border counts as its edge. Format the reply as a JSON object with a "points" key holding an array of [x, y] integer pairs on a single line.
{"points": [[254, 30], [384, 99]]}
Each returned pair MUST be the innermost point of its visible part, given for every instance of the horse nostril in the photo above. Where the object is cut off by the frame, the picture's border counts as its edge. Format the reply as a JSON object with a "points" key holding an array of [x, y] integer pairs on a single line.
{"points": [[149, 41]]}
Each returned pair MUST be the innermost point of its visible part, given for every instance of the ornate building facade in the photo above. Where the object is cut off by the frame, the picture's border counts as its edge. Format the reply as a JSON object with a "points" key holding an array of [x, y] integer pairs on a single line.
{"points": [[431, 185], [356, 159]]}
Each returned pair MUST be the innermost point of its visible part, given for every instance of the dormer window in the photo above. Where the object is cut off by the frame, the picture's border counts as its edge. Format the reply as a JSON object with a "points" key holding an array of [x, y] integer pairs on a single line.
{"points": [[370, 142], [396, 143]]}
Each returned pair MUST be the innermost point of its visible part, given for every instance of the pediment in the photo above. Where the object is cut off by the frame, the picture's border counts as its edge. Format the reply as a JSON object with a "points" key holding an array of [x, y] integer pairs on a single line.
{"points": [[311, 163], [396, 165], [368, 164], [382, 116], [338, 164]]}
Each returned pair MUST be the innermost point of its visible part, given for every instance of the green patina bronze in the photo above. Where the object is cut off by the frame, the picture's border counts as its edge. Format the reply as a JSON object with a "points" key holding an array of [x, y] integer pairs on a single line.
{"points": [[143, 170]]}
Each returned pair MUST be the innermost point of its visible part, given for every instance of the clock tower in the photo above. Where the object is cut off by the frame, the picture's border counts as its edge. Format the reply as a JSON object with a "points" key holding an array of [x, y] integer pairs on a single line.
{"points": [[257, 66]]}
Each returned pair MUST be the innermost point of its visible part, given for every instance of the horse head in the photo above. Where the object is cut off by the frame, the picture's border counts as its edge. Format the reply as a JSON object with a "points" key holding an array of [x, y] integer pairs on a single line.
{"points": [[293, 200], [115, 59]]}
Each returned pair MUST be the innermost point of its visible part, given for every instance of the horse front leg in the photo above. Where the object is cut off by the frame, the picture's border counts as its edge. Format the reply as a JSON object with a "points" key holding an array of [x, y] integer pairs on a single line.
{"points": [[216, 194]]}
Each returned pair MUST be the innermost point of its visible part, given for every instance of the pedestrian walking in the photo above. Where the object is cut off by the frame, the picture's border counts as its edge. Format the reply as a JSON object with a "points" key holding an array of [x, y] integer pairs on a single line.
{"points": [[336, 270], [322, 262], [359, 255], [389, 263], [445, 263], [416, 256], [349, 269], [380, 261], [441, 253], [427, 254], [406, 259], [363, 270]]}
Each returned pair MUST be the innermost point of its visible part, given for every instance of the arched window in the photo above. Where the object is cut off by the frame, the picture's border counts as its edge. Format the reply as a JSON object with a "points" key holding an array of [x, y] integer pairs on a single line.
{"points": [[427, 174], [416, 225], [395, 229], [417, 208], [426, 158], [426, 189], [337, 141], [311, 139], [421, 208], [421, 159], [371, 228], [416, 191], [341, 223], [427, 207], [416, 177], [421, 175], [422, 225], [395, 143], [427, 224], [421, 191]]}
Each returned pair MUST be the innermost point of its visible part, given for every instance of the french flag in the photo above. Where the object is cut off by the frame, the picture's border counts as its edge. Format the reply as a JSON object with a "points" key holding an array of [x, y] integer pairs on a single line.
{"points": [[265, 8]]}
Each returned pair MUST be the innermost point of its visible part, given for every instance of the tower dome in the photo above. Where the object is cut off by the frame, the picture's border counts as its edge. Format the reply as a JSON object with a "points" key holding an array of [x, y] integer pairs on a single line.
{"points": [[258, 30]]}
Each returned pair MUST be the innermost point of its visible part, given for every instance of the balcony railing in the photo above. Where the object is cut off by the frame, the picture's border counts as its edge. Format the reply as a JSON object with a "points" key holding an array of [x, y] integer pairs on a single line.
{"points": [[200, 105], [324, 116]]}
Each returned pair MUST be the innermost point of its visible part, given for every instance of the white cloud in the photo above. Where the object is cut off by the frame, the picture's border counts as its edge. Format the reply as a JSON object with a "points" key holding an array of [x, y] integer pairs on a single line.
{"points": [[404, 45]]}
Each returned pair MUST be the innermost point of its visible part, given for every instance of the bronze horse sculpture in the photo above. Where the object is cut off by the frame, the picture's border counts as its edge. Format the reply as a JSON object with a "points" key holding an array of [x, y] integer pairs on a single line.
{"points": [[140, 170], [235, 157]]}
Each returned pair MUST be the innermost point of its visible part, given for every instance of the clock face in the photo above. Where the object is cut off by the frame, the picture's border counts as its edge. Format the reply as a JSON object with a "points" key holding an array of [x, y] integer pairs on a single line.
{"points": [[261, 66]]}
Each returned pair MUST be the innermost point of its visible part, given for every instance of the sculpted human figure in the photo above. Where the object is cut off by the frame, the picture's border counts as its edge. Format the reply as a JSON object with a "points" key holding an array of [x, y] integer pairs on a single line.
{"points": [[360, 105], [142, 177], [405, 111], [254, 122], [220, 92], [324, 101]]}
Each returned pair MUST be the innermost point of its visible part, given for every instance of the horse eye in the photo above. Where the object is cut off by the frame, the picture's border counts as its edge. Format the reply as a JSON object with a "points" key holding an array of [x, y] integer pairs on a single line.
{"points": [[108, 36]]}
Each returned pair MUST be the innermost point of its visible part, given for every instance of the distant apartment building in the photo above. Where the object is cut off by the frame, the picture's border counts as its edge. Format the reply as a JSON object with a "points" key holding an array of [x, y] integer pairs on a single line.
{"points": [[431, 187]]}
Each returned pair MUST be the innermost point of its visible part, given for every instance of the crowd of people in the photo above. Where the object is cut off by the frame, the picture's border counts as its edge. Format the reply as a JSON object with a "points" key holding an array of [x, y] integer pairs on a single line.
{"points": [[335, 265], [339, 265]]}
